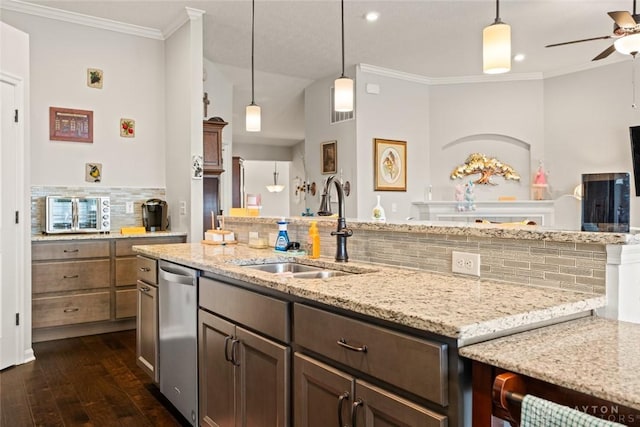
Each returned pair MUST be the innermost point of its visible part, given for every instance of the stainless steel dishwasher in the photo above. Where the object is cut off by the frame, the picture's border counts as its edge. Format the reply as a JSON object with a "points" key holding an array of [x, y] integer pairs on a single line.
{"points": [[178, 312]]}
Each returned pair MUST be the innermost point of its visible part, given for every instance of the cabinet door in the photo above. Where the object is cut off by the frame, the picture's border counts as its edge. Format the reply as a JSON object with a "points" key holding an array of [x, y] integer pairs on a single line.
{"points": [[212, 146], [216, 372], [147, 330], [263, 383], [376, 407], [320, 394]]}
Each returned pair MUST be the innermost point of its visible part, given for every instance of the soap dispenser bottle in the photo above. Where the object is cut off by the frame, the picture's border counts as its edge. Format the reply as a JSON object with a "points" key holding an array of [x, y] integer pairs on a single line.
{"points": [[282, 241], [314, 240]]}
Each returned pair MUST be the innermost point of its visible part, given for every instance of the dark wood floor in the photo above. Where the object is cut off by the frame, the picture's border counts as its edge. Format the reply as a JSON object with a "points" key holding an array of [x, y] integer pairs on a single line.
{"points": [[85, 381]]}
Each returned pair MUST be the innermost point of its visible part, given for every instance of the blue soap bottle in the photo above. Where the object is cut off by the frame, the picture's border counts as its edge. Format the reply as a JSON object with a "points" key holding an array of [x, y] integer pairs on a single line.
{"points": [[282, 241]]}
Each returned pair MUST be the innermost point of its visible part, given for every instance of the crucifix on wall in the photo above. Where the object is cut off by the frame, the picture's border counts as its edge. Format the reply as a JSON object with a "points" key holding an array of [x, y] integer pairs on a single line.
{"points": [[205, 102]]}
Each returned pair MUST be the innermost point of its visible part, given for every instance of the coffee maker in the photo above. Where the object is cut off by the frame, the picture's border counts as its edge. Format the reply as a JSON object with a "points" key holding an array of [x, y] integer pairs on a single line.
{"points": [[155, 215]]}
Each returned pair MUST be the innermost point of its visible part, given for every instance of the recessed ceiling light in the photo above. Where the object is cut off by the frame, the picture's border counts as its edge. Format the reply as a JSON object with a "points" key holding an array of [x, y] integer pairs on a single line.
{"points": [[519, 57], [372, 16]]}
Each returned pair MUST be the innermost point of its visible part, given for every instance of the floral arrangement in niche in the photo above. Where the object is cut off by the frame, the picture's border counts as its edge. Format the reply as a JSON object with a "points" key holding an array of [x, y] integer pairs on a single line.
{"points": [[127, 128], [487, 167]]}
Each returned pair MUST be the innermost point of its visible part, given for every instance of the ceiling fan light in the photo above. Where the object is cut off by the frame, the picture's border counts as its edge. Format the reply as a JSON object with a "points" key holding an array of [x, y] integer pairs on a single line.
{"points": [[496, 48], [628, 45], [343, 94], [252, 118]]}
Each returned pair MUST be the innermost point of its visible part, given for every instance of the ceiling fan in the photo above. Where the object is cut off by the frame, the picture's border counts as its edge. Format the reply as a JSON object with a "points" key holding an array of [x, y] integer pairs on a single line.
{"points": [[626, 31]]}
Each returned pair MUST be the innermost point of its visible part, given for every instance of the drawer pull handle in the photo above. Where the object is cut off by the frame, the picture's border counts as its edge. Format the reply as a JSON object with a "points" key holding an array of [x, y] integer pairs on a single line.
{"points": [[226, 348], [234, 352], [145, 269], [344, 396], [69, 251], [71, 310], [75, 276], [144, 289], [343, 343], [354, 411]]}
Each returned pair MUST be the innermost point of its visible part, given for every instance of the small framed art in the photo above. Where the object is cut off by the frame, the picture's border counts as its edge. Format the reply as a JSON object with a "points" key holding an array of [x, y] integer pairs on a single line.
{"points": [[329, 157], [66, 124], [390, 165]]}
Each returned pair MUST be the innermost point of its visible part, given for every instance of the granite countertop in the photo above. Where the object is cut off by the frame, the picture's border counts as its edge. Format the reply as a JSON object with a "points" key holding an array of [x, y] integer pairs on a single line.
{"points": [[596, 356], [93, 236], [504, 231], [464, 309]]}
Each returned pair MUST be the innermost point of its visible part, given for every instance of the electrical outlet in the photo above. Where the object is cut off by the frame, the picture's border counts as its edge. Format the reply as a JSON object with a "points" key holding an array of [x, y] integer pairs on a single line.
{"points": [[465, 263], [129, 208], [183, 208], [394, 207]]}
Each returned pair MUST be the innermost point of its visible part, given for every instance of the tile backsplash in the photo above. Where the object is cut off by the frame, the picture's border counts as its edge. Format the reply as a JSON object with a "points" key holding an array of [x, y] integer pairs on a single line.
{"points": [[119, 197]]}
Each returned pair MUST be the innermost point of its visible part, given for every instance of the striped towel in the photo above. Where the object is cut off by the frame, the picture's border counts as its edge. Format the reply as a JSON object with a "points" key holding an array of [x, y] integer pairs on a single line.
{"points": [[538, 412]]}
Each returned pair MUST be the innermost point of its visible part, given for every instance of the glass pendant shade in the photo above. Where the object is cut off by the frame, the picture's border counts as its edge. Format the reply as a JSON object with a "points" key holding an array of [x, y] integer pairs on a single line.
{"points": [[628, 45], [496, 48], [275, 188], [343, 94], [253, 118]]}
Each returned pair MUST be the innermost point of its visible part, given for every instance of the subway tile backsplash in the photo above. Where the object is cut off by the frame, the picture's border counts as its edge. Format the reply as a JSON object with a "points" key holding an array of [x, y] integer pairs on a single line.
{"points": [[119, 197]]}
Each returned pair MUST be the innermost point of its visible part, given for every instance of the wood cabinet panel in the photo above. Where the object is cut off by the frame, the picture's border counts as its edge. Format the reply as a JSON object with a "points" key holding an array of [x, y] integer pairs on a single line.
{"points": [[126, 271], [126, 303], [147, 329], [147, 269], [70, 309], [69, 250], [123, 246], [212, 146], [70, 275], [423, 370]]}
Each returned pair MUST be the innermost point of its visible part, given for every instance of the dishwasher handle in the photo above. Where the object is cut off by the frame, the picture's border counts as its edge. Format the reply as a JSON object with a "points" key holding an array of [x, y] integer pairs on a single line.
{"points": [[176, 276]]}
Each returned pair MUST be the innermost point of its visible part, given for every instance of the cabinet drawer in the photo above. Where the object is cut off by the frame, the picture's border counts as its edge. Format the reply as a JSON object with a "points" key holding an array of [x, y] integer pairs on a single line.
{"points": [[67, 310], [416, 365], [147, 269], [126, 272], [264, 314], [126, 303], [123, 246], [69, 250], [70, 275]]}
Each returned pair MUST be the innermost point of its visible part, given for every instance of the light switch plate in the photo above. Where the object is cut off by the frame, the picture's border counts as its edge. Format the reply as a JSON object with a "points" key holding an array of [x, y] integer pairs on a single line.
{"points": [[129, 208]]}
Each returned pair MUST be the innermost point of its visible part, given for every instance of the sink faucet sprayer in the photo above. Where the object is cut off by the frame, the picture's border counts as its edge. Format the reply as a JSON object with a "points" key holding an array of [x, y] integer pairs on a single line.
{"points": [[342, 232]]}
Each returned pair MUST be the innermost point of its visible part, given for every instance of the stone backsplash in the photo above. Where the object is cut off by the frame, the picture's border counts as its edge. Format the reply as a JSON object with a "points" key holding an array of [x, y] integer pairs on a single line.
{"points": [[119, 197], [559, 265]]}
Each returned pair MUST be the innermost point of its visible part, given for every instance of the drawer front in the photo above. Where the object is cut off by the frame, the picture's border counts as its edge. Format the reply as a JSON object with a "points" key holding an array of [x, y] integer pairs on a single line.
{"points": [[147, 269], [416, 365], [126, 271], [264, 314], [123, 246], [126, 303], [68, 310], [70, 275], [69, 250]]}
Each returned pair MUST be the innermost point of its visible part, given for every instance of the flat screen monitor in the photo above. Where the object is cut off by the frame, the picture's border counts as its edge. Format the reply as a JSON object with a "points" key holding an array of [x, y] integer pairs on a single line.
{"points": [[605, 202], [634, 133]]}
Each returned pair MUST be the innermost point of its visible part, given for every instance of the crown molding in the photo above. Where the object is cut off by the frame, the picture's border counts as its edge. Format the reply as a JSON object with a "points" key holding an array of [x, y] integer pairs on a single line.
{"points": [[585, 67], [387, 72], [81, 19], [190, 15]]}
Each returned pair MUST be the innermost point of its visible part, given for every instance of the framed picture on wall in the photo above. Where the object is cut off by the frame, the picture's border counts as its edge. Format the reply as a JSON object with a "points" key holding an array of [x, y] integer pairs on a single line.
{"points": [[329, 157], [390, 165], [70, 125]]}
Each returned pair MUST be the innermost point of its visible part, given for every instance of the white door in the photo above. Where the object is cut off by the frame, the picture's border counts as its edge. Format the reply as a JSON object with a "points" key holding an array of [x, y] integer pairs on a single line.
{"points": [[8, 227]]}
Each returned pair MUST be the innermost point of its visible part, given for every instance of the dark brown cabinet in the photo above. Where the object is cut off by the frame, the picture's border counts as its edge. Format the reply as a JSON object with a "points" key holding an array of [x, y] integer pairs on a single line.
{"points": [[212, 146], [237, 182]]}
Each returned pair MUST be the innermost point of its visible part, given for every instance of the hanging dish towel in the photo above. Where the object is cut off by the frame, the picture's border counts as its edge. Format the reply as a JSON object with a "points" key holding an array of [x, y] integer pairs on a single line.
{"points": [[538, 412]]}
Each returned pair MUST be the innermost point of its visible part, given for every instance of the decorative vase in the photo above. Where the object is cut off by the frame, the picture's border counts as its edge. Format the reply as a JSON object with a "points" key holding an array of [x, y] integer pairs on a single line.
{"points": [[377, 214]]}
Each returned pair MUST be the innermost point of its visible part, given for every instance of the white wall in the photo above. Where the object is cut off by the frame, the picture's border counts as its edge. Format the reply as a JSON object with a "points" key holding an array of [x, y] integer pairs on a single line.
{"points": [[257, 175], [133, 88], [399, 112]]}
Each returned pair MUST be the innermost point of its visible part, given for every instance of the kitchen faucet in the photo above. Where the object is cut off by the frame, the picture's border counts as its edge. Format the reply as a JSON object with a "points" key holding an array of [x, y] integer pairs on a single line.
{"points": [[342, 231]]}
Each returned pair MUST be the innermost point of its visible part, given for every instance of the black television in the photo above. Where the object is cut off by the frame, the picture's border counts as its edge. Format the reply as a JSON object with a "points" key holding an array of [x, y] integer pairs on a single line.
{"points": [[605, 202], [634, 133]]}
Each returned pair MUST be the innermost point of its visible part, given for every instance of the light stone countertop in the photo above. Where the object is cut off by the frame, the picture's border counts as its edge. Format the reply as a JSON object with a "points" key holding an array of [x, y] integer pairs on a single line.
{"points": [[464, 309], [93, 236], [520, 232], [596, 356]]}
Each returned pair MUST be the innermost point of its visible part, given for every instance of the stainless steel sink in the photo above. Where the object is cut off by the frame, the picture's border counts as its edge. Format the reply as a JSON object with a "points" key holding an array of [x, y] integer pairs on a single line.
{"points": [[299, 271]]}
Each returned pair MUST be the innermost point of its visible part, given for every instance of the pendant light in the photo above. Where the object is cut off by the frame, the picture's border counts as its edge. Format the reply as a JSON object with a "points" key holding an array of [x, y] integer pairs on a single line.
{"points": [[496, 46], [252, 114], [343, 86], [275, 188]]}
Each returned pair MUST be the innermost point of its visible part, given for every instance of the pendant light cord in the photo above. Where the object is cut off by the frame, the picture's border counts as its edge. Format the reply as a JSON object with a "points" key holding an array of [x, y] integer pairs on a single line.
{"points": [[497, 21], [342, 11], [253, 20]]}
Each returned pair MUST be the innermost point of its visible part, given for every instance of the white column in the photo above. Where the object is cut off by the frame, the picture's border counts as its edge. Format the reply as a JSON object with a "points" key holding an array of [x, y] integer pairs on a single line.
{"points": [[623, 283]]}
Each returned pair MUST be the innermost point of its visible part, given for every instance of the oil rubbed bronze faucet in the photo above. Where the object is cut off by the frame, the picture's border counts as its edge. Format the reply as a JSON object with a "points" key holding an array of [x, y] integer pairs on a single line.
{"points": [[342, 231]]}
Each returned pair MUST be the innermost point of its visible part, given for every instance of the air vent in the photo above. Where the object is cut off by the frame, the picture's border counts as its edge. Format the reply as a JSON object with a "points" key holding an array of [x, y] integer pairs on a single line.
{"points": [[338, 116]]}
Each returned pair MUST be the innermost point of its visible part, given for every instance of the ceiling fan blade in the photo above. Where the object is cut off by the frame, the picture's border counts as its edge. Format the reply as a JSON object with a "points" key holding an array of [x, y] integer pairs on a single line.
{"points": [[579, 41], [623, 19], [608, 51]]}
